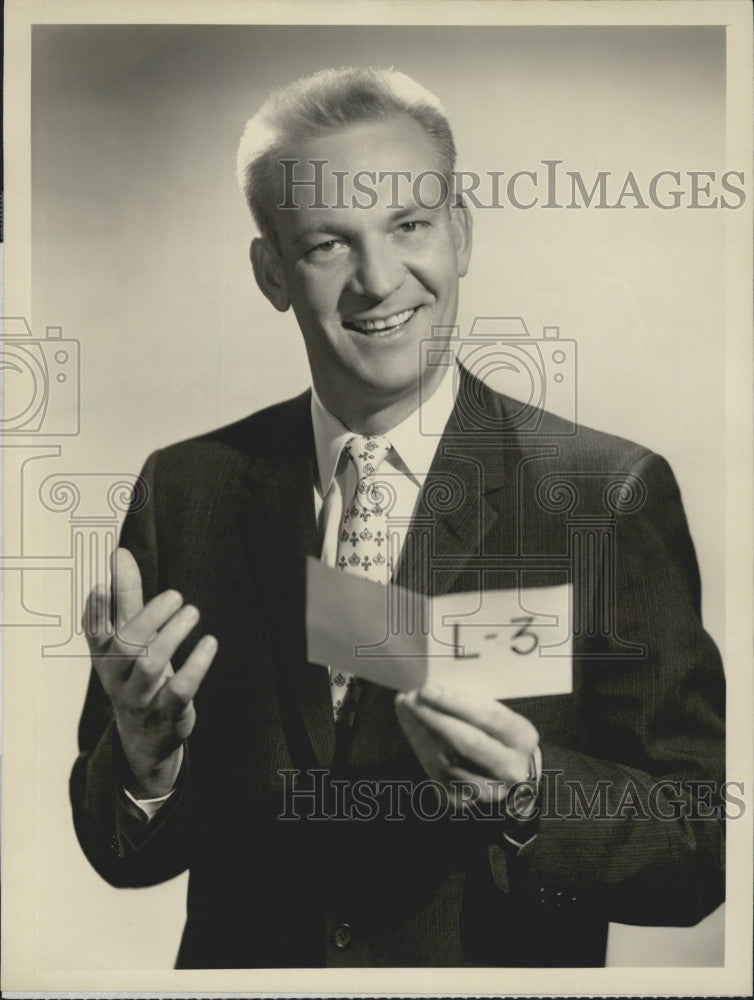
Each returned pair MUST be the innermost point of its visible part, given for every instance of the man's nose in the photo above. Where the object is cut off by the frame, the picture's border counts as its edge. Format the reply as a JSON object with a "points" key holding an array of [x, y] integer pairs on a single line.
{"points": [[379, 270]]}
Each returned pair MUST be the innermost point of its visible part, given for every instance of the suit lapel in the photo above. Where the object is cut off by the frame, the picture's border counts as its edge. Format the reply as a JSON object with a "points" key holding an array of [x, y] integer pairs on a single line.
{"points": [[277, 522], [472, 480], [459, 504]]}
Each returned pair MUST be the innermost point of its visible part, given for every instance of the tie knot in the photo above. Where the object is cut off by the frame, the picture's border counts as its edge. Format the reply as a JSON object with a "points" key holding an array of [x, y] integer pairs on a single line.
{"points": [[367, 453]]}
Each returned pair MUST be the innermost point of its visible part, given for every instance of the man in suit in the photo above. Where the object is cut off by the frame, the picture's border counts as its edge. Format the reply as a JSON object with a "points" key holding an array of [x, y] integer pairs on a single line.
{"points": [[210, 743]]}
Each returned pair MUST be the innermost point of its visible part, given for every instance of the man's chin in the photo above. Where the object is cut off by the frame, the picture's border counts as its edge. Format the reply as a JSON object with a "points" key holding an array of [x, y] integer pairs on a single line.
{"points": [[379, 387], [388, 390]]}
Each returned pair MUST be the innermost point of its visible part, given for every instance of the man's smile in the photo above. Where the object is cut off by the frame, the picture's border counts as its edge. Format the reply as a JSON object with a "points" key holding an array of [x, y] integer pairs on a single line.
{"points": [[380, 326]]}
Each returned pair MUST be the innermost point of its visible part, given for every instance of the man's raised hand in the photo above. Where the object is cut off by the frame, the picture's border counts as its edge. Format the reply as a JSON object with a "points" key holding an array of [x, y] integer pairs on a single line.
{"points": [[153, 706]]}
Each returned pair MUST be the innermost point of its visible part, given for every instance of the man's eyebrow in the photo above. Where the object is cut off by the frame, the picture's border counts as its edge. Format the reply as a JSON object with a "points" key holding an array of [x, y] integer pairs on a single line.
{"points": [[401, 213]]}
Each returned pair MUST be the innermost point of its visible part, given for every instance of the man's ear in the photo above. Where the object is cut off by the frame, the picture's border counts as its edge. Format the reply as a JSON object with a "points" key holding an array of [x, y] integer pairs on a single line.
{"points": [[268, 271], [460, 221]]}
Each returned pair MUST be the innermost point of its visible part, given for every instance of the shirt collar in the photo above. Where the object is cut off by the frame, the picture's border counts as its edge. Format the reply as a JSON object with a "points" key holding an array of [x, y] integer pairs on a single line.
{"points": [[414, 440]]}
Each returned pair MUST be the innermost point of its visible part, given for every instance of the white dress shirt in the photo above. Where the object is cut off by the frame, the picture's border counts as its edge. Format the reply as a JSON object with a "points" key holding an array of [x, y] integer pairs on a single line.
{"points": [[414, 443]]}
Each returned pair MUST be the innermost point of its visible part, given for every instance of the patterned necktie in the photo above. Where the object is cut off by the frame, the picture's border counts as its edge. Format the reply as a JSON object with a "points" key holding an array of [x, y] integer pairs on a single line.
{"points": [[363, 544]]}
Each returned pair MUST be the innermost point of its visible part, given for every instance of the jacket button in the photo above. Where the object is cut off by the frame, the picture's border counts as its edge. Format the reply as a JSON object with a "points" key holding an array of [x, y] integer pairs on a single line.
{"points": [[343, 936]]}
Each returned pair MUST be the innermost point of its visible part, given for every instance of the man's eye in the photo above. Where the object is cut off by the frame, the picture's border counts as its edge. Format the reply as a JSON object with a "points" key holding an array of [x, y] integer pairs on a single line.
{"points": [[412, 226], [326, 248]]}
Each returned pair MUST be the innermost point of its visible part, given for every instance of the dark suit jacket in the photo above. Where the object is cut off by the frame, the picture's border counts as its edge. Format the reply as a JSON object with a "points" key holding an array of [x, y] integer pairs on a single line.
{"points": [[228, 520]]}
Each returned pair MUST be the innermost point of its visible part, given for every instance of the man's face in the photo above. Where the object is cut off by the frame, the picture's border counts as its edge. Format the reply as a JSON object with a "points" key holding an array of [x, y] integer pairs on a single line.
{"points": [[367, 285]]}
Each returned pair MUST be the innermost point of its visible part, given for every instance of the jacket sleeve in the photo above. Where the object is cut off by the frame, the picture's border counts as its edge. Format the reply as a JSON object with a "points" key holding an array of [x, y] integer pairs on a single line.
{"points": [[634, 826], [114, 834]]}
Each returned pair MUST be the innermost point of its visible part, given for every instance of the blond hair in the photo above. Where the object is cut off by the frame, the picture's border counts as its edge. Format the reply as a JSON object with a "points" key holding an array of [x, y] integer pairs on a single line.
{"points": [[320, 103]]}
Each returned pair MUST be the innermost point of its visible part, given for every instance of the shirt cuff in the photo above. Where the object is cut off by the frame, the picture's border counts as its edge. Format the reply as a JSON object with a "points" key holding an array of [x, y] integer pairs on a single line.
{"points": [[150, 807]]}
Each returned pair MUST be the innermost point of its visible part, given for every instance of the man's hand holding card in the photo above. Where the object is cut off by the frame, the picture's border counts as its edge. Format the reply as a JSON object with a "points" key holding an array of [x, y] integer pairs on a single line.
{"points": [[452, 659]]}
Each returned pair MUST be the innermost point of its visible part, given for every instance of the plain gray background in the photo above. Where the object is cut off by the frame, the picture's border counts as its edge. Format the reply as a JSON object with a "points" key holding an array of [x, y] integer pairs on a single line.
{"points": [[140, 251]]}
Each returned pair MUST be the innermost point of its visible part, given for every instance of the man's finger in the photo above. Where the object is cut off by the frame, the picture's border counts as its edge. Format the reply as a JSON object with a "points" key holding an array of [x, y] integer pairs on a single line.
{"points": [[127, 593], [494, 718], [96, 618], [147, 623], [111, 668], [484, 753], [440, 761], [427, 745], [148, 670], [182, 687]]}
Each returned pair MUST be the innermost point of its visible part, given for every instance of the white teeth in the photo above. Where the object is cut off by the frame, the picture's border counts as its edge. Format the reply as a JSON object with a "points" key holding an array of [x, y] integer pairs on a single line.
{"points": [[370, 325]]}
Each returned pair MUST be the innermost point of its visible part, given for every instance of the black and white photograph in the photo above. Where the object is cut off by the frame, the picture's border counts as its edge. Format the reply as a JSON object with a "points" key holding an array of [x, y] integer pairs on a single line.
{"points": [[377, 495]]}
